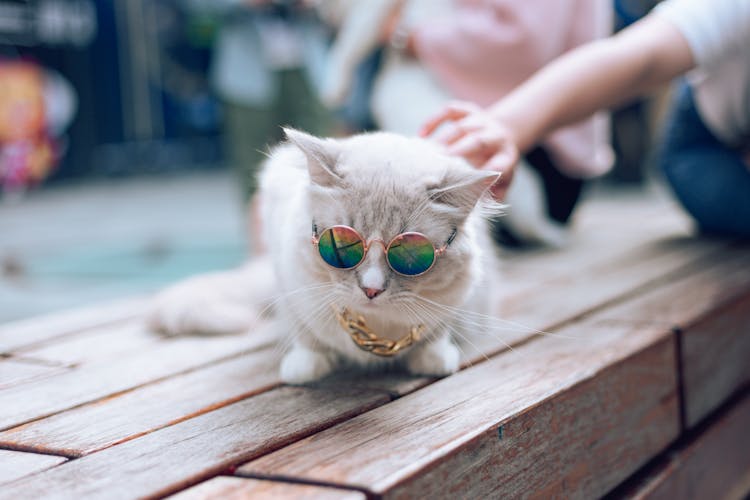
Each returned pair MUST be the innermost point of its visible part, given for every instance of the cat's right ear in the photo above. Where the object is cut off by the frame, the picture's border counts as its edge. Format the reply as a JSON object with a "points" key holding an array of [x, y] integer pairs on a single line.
{"points": [[321, 154]]}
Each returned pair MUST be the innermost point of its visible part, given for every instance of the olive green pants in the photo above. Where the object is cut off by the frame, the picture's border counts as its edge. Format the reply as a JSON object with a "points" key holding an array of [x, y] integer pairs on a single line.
{"points": [[249, 131]]}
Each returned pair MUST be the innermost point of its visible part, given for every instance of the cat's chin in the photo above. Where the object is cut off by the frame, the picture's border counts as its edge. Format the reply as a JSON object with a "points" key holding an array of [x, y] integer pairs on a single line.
{"points": [[377, 305], [369, 305]]}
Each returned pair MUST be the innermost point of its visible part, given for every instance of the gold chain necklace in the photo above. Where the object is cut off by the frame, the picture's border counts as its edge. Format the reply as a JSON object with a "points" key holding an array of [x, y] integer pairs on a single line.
{"points": [[366, 340]]}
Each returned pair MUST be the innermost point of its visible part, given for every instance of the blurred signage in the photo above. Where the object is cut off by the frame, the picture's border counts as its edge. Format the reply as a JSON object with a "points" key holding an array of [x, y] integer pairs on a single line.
{"points": [[48, 22]]}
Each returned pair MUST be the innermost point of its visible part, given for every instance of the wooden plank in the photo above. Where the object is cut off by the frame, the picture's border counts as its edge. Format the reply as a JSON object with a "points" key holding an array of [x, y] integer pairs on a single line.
{"points": [[686, 299], [109, 377], [715, 359], [711, 308], [96, 344], [15, 371], [236, 488], [584, 290], [602, 232], [67, 350], [555, 416], [99, 425], [395, 383], [15, 465], [593, 286], [22, 333], [712, 463], [186, 453]]}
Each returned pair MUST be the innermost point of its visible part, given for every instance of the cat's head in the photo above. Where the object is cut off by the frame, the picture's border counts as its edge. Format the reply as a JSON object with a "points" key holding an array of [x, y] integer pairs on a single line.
{"points": [[383, 185]]}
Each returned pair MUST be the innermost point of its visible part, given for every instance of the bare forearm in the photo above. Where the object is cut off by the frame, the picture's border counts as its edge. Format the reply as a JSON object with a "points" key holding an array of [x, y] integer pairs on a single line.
{"points": [[598, 75]]}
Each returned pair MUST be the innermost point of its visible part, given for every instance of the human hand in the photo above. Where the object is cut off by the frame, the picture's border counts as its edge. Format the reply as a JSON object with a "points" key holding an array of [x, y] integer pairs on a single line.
{"points": [[478, 137]]}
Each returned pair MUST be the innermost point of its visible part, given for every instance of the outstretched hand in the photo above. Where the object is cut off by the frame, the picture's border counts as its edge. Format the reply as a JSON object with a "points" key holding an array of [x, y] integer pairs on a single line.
{"points": [[481, 139]]}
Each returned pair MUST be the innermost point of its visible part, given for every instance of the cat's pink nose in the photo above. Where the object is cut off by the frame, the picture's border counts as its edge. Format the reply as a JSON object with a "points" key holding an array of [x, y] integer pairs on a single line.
{"points": [[372, 292]]}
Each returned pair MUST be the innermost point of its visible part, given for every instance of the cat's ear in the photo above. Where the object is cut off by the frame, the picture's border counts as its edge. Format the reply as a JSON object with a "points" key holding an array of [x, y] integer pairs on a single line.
{"points": [[321, 154], [462, 191]]}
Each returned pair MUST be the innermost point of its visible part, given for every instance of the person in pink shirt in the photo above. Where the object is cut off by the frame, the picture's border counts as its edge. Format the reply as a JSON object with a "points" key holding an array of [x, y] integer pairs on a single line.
{"points": [[705, 153], [482, 49]]}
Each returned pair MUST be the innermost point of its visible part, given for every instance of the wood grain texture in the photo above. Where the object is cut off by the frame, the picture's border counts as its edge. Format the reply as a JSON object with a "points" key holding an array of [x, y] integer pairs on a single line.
{"points": [[95, 344], [577, 417], [15, 465], [186, 453], [714, 463], [109, 377], [711, 308], [235, 488], [396, 383], [586, 289], [715, 359], [15, 371], [684, 300], [116, 419], [17, 334], [602, 231]]}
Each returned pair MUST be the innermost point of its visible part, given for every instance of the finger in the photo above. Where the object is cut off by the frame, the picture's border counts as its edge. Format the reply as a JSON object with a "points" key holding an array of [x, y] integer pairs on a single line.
{"points": [[449, 135], [452, 112], [503, 160], [474, 144]]}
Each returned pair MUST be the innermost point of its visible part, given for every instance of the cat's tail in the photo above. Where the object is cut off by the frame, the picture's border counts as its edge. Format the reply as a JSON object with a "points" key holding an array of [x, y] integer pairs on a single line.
{"points": [[215, 303]]}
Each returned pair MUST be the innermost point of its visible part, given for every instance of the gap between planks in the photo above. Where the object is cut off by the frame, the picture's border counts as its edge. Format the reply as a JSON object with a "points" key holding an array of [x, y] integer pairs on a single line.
{"points": [[72, 413], [34, 331], [673, 473], [537, 336]]}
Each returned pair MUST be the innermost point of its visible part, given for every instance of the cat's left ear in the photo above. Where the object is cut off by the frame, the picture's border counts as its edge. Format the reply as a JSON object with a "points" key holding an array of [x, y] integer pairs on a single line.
{"points": [[321, 154], [462, 191]]}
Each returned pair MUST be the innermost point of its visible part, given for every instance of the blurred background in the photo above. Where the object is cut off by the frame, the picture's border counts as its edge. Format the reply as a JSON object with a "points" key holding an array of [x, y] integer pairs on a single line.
{"points": [[130, 129]]}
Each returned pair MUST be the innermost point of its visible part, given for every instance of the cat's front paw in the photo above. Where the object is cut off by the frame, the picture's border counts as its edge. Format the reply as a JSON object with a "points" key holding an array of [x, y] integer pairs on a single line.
{"points": [[302, 365], [434, 358]]}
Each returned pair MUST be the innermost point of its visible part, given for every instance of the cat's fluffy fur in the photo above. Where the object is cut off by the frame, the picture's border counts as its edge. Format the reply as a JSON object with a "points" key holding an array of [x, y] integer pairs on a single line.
{"points": [[380, 184]]}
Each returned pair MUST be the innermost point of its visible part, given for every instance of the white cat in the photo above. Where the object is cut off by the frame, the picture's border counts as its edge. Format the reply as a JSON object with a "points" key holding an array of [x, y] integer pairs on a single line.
{"points": [[382, 185]]}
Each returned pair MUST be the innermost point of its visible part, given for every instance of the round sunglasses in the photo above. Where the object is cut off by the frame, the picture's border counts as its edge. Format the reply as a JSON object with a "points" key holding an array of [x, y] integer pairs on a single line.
{"points": [[408, 254]]}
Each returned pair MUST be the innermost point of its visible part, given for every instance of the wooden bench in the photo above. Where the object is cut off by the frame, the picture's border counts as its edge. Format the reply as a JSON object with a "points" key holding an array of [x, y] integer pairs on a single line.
{"points": [[622, 369]]}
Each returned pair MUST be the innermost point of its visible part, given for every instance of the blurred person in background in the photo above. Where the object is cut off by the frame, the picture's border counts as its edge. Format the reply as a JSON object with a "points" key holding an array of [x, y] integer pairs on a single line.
{"points": [[705, 155], [479, 50], [267, 61]]}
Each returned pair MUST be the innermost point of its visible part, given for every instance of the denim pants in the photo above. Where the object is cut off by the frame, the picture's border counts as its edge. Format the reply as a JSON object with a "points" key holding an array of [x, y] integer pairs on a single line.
{"points": [[709, 179]]}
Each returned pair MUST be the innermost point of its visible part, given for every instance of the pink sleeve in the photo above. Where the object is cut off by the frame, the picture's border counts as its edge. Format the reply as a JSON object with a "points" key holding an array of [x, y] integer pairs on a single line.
{"points": [[488, 47], [499, 43]]}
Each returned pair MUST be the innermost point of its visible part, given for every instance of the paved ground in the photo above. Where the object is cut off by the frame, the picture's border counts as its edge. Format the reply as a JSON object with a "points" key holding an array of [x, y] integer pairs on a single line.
{"points": [[72, 245]]}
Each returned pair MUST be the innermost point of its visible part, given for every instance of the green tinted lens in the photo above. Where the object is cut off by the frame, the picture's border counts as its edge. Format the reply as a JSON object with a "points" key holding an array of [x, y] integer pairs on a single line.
{"points": [[341, 247], [411, 254]]}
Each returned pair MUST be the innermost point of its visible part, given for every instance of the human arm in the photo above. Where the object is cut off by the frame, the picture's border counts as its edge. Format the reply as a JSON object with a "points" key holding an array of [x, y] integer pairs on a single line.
{"points": [[597, 75], [601, 74]]}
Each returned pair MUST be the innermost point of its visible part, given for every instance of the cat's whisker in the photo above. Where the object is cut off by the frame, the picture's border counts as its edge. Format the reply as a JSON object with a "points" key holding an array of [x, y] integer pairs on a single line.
{"points": [[265, 153], [464, 355], [321, 305], [264, 313], [496, 337], [495, 319], [454, 332]]}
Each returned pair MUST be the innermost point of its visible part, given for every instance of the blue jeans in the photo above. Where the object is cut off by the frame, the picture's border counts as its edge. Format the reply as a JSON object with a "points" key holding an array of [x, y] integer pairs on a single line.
{"points": [[708, 178]]}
